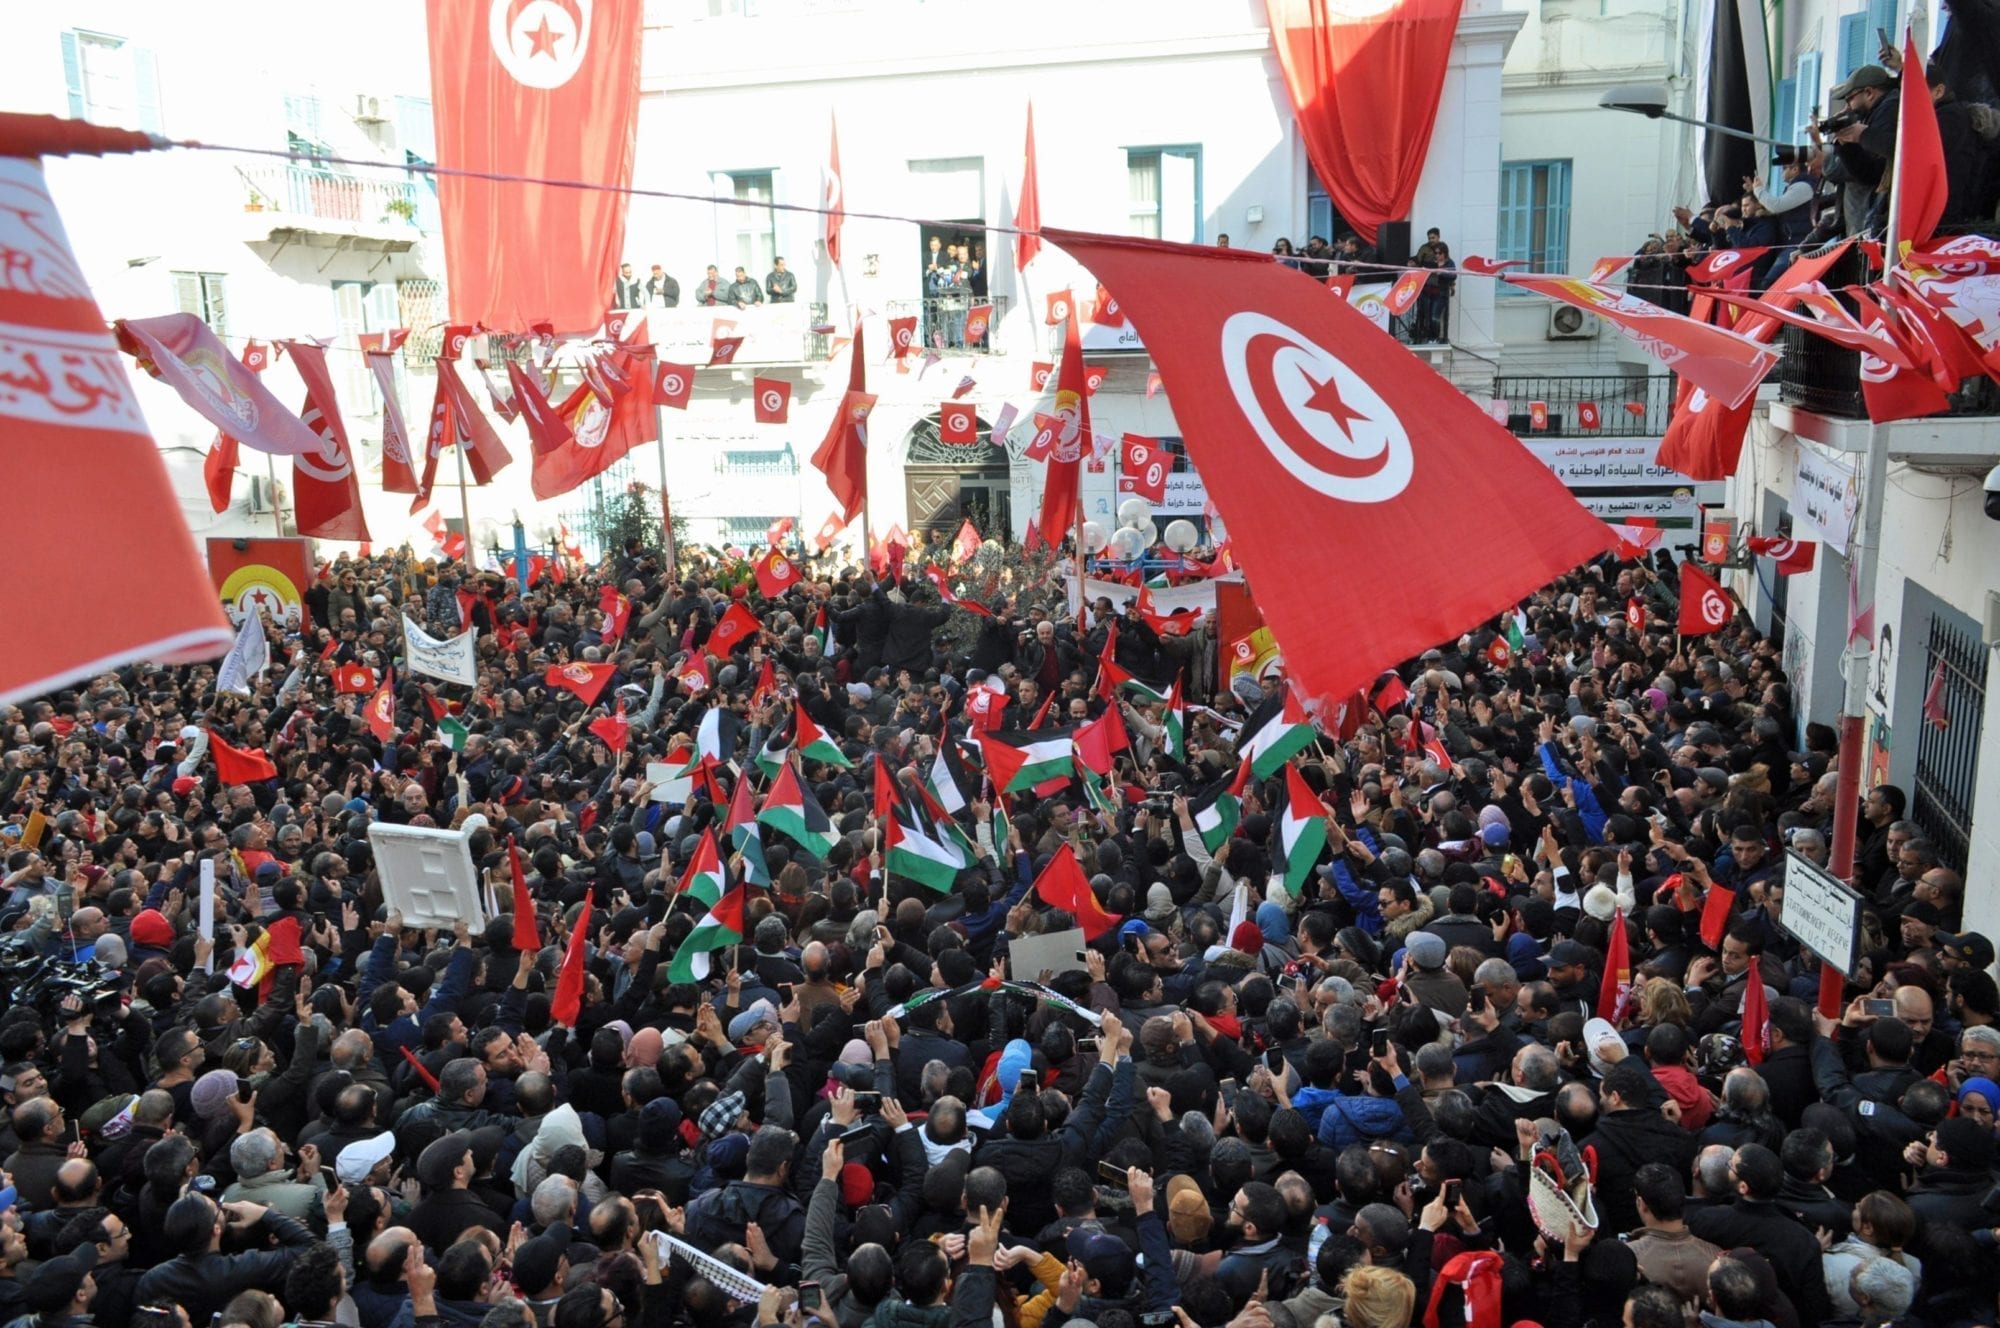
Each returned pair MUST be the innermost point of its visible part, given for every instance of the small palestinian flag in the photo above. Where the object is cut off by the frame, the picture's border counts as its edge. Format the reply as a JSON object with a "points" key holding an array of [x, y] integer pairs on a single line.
{"points": [[1176, 723], [703, 878], [745, 838], [1016, 762], [452, 732], [950, 783], [1218, 808], [813, 742], [1517, 638], [791, 810], [920, 849], [774, 754], [720, 927], [1003, 821], [1098, 795], [1275, 734], [1301, 830]]}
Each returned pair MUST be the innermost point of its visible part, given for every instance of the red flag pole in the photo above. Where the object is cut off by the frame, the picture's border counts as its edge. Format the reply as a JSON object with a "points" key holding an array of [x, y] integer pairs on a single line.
{"points": [[666, 514], [277, 508]]}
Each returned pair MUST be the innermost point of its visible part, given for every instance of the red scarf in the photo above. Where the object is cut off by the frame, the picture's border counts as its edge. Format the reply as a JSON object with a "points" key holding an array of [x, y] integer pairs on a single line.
{"points": [[1226, 1024]]}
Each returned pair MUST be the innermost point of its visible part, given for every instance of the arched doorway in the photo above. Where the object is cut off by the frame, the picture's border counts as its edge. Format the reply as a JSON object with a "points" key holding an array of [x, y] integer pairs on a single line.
{"points": [[947, 484]]}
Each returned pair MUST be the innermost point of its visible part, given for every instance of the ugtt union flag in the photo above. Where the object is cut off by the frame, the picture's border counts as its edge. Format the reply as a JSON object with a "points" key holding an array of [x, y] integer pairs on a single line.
{"points": [[1324, 442]]}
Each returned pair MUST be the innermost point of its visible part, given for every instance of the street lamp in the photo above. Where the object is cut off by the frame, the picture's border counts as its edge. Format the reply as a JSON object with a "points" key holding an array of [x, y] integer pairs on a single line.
{"points": [[1650, 100]]}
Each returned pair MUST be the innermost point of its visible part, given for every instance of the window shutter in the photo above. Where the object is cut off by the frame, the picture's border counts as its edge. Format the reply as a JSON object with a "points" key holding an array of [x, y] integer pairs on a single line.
{"points": [[1810, 93], [145, 88], [1882, 14], [79, 107], [1853, 43], [1788, 110], [1558, 219], [187, 293]]}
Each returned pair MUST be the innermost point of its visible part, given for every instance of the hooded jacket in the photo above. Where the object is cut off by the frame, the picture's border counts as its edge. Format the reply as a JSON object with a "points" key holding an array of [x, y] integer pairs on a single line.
{"points": [[1350, 1119], [1626, 1140]]}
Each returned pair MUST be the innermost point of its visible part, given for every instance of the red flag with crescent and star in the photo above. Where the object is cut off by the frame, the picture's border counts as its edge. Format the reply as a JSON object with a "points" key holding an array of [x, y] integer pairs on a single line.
{"points": [[531, 91], [842, 456], [326, 493], [1791, 555], [1353, 447], [833, 193], [1705, 605]]}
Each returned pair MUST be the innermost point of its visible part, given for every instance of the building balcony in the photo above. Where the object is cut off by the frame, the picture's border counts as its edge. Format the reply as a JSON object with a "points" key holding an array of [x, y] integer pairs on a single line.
{"points": [[941, 322], [1628, 405], [1819, 397], [287, 203]]}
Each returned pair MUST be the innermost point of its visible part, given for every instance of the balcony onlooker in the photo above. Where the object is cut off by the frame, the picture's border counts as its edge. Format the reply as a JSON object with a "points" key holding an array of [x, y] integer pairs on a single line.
{"points": [[662, 291], [948, 290], [976, 270], [625, 291], [744, 292], [1282, 250], [781, 284], [1788, 199], [713, 290], [1433, 311], [1317, 261], [1866, 142]]}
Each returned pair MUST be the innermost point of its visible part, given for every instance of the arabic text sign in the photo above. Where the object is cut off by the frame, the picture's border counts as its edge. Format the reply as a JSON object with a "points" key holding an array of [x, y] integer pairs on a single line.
{"points": [[1825, 496], [1821, 913], [1585, 463]]}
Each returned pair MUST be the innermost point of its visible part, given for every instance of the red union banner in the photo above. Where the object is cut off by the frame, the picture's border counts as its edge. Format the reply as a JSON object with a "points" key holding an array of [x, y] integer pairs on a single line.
{"points": [[1365, 81], [542, 89]]}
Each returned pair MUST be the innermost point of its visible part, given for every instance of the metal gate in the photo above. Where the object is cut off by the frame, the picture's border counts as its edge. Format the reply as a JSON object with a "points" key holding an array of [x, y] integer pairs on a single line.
{"points": [[1948, 757]]}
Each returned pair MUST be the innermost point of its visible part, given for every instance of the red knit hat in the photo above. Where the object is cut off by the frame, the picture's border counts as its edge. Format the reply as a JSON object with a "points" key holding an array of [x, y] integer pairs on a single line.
{"points": [[857, 1185], [152, 928]]}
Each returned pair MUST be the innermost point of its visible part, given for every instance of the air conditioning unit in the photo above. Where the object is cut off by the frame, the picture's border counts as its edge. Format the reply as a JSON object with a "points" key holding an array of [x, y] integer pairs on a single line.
{"points": [[372, 107], [266, 495], [1569, 323]]}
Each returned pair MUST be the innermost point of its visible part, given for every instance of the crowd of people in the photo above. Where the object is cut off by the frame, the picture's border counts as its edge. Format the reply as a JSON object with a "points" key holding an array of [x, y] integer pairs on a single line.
{"points": [[1401, 1090]]}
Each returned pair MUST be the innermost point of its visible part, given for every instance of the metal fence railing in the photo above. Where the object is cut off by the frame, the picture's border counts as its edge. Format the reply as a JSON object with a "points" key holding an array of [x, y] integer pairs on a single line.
{"points": [[1623, 405], [328, 195], [941, 320], [1948, 757]]}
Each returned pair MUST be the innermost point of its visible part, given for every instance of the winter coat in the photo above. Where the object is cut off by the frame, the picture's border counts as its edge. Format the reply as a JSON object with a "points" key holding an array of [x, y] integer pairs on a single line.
{"points": [[1362, 1120], [1625, 1141]]}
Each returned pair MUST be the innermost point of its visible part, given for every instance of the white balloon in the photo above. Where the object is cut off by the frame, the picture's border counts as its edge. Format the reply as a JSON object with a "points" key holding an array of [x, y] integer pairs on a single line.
{"points": [[1148, 532], [1134, 510], [1181, 535], [1127, 544], [1094, 537]]}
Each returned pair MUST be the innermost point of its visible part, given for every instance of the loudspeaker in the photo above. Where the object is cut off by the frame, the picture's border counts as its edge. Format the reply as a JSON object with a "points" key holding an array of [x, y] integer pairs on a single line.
{"points": [[1392, 243]]}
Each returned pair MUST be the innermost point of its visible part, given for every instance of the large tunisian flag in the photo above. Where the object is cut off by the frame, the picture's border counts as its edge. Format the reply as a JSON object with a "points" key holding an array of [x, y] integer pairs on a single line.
{"points": [[1324, 442], [74, 427], [544, 89], [1365, 89]]}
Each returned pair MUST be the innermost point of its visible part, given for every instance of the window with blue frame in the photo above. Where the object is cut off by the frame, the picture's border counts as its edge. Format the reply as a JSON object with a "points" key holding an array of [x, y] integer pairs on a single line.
{"points": [[111, 81], [1860, 35], [1534, 214]]}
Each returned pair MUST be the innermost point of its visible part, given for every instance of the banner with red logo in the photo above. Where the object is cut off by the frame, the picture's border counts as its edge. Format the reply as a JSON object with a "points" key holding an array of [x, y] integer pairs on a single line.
{"points": [[1318, 460], [977, 319], [534, 90], [1365, 82], [180, 351], [259, 573]]}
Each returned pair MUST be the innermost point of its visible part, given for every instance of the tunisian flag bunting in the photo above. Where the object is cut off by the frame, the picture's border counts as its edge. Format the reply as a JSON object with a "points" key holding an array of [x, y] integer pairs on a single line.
{"points": [[1365, 83], [74, 430], [1354, 449], [1722, 363], [842, 455], [1028, 212], [534, 90], [485, 454], [325, 491], [1143, 468], [1791, 555]]}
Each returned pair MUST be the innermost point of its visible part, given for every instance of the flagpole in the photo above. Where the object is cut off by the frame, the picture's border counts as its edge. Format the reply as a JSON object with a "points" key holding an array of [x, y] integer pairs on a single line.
{"points": [[465, 507], [666, 513], [1854, 702], [277, 508]]}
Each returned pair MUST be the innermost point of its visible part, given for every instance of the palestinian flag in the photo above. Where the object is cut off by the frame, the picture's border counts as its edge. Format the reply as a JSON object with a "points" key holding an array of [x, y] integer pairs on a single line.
{"points": [[813, 743], [1275, 734], [1098, 795], [1019, 761], [1003, 821], [452, 732], [703, 878], [791, 810], [715, 737], [1301, 830], [1218, 808], [1176, 723], [775, 753], [720, 927], [824, 630], [919, 848], [1388, 693], [1144, 693], [1517, 639], [744, 837], [949, 782]]}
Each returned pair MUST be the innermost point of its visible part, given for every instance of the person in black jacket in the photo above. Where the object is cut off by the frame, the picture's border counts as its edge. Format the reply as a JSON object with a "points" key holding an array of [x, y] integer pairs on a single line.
{"points": [[1756, 1220], [203, 1279], [762, 1197], [1630, 1134]]}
